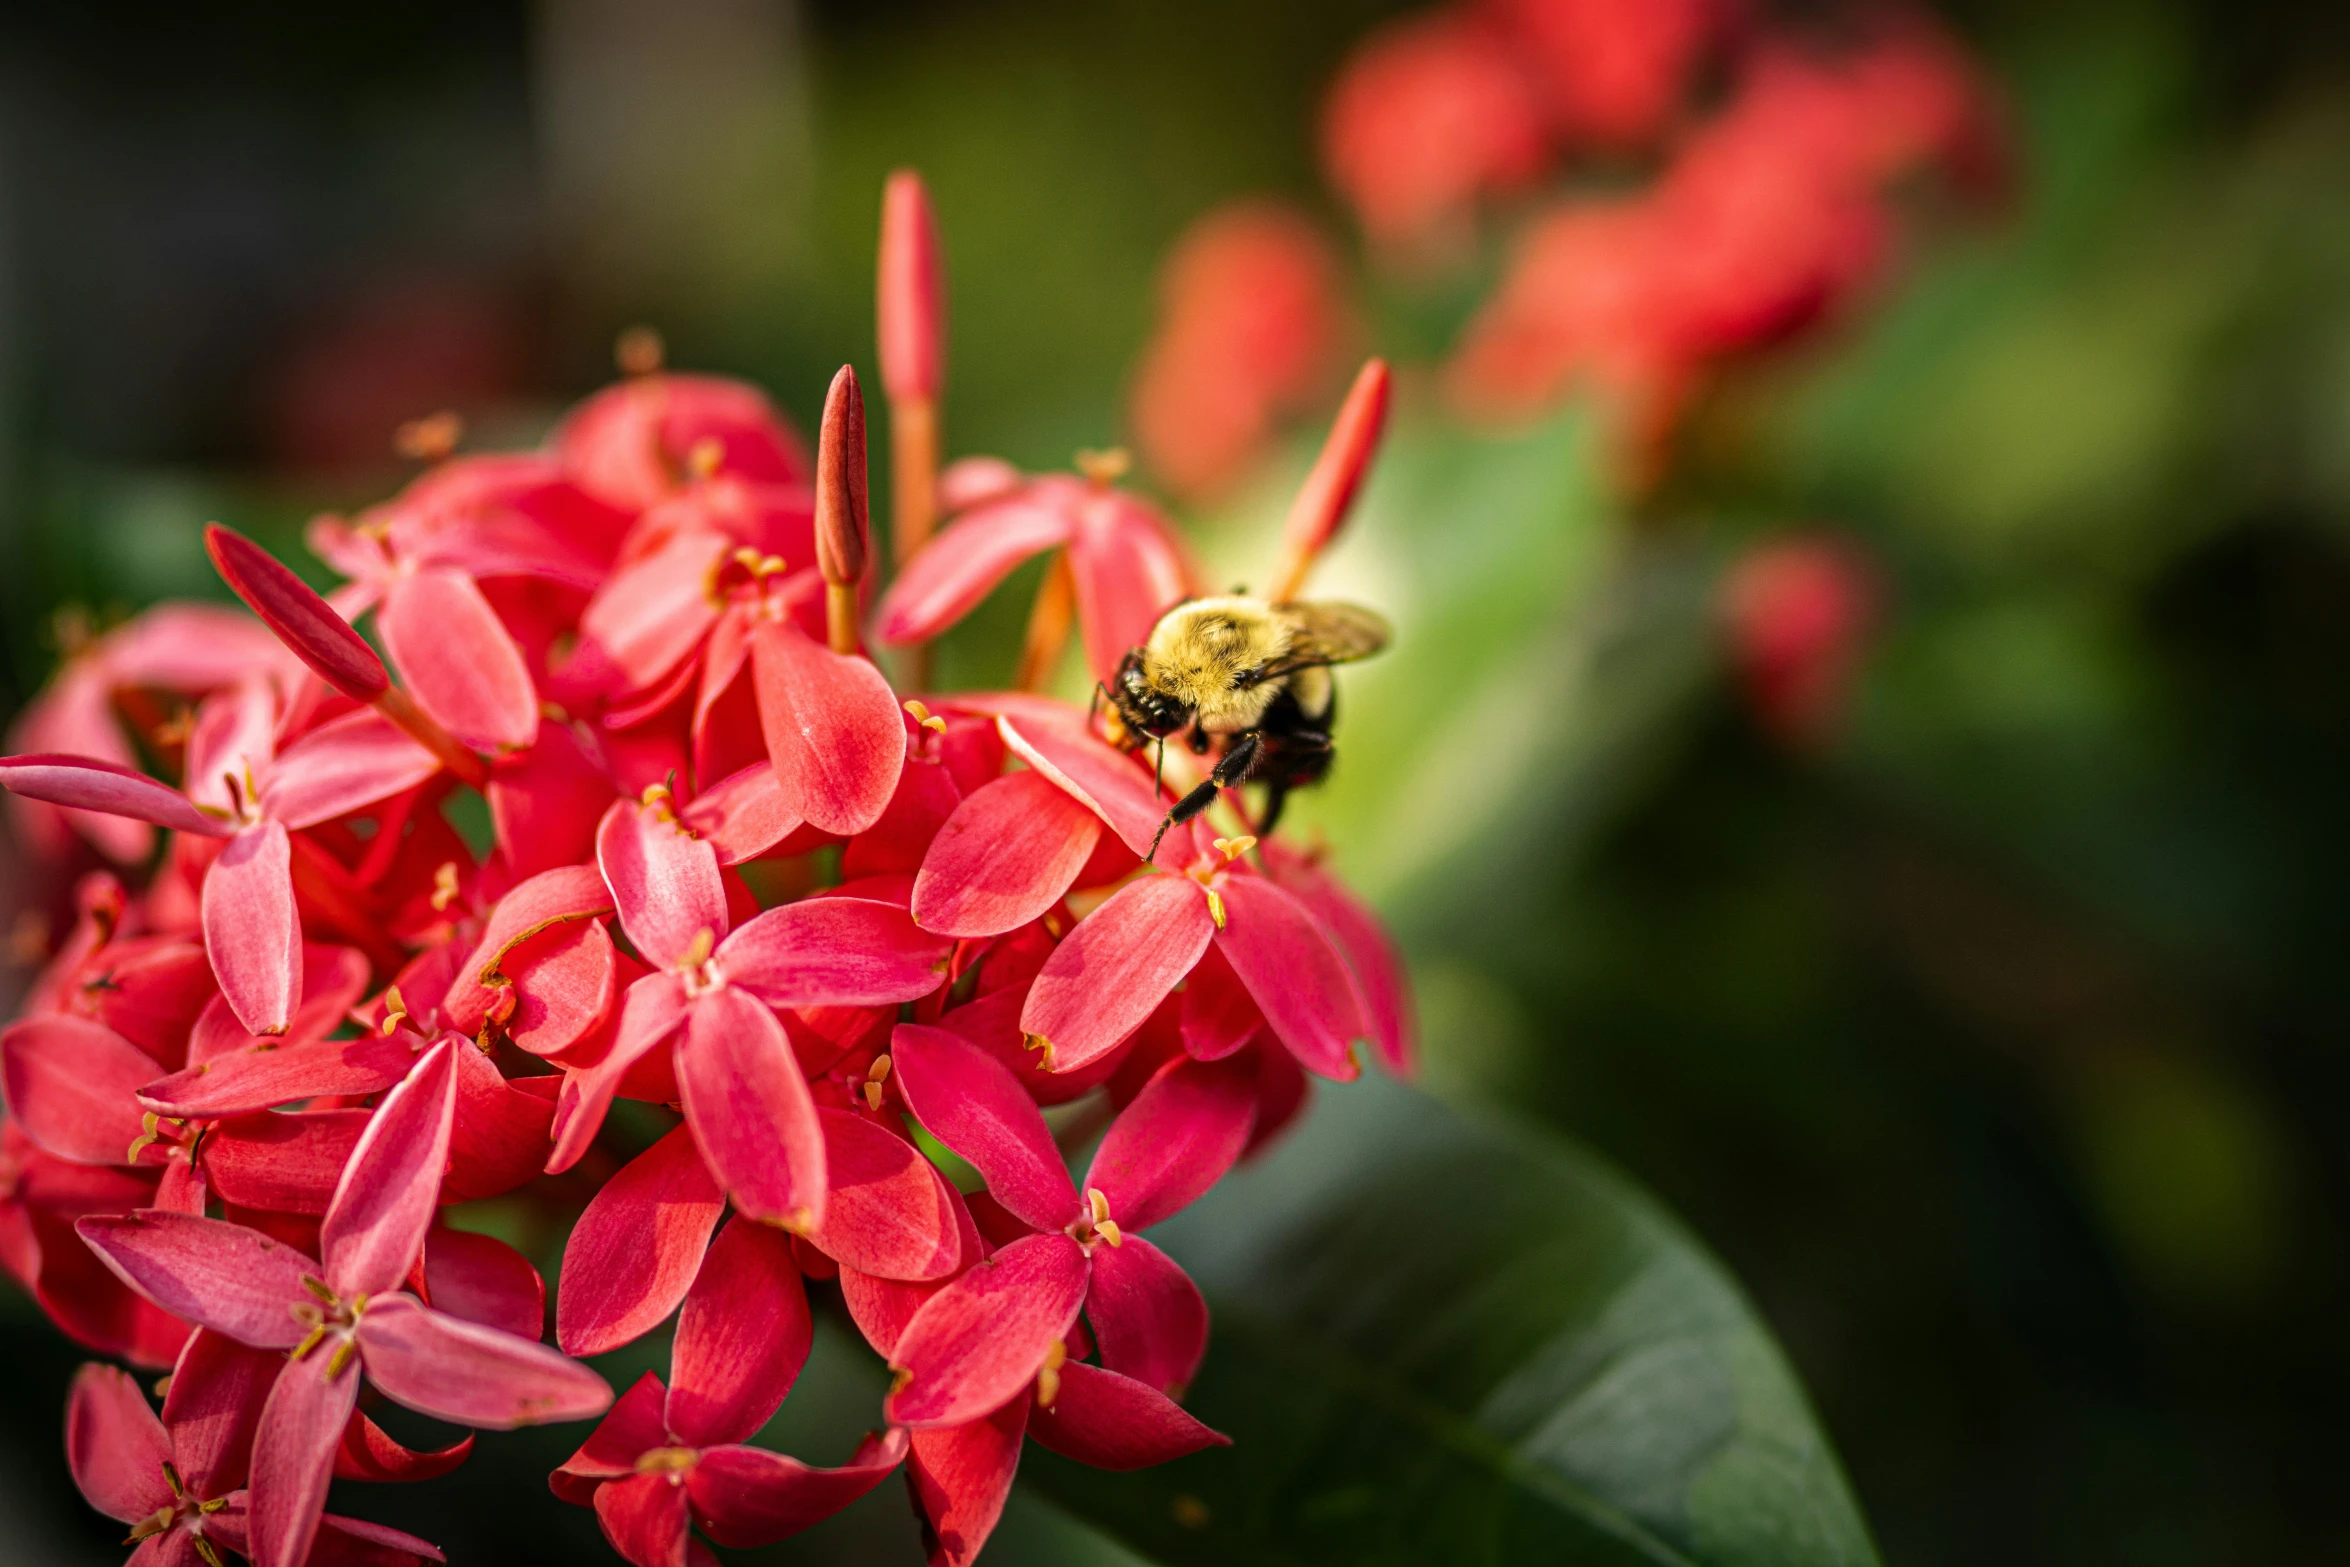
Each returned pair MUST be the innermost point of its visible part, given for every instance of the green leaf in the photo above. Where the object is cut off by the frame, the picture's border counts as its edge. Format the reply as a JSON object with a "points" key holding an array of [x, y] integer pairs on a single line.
{"points": [[1439, 1341]]}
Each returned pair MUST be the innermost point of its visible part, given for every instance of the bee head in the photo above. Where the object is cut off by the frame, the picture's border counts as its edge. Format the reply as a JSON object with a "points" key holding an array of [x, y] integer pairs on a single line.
{"points": [[1145, 708]]}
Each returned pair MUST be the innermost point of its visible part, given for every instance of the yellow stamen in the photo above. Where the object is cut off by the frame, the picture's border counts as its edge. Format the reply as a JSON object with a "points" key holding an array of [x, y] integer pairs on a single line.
{"points": [[1048, 1377], [430, 438], [150, 1526], [666, 1460], [1039, 1042], [880, 1069], [707, 454], [342, 1357], [924, 717], [444, 886], [309, 1342], [1216, 906], [1106, 466], [873, 1097], [698, 950], [1234, 848], [320, 1288], [1098, 1203], [395, 1011], [171, 1477], [639, 351], [899, 1379]]}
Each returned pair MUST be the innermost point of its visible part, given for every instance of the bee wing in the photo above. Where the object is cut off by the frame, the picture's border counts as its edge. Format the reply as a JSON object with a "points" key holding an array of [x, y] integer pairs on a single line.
{"points": [[1328, 634]]}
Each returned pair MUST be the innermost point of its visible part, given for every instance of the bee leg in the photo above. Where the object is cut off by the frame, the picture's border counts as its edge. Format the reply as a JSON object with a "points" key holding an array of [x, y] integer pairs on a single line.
{"points": [[1276, 796], [1159, 777], [1230, 769]]}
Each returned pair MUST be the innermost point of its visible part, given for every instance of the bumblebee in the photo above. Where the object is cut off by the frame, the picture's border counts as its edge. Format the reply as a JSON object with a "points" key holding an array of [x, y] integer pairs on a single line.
{"points": [[1248, 678]]}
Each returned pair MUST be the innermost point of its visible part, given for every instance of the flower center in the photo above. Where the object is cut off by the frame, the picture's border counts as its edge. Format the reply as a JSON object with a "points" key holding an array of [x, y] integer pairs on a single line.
{"points": [[666, 1460], [697, 967], [330, 1318], [1096, 1225]]}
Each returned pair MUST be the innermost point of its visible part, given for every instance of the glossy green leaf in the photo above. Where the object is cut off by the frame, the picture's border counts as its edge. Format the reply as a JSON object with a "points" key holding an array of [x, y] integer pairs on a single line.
{"points": [[1439, 1341]]}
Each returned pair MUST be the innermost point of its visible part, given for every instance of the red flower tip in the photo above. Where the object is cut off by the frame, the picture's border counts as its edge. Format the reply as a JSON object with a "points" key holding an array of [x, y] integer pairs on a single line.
{"points": [[1329, 492], [303, 621], [910, 302], [1796, 612], [843, 527]]}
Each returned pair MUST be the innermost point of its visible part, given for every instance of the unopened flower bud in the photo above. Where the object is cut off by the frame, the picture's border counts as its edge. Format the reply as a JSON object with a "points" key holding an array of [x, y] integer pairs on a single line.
{"points": [[842, 524], [303, 621], [1329, 492], [910, 302]]}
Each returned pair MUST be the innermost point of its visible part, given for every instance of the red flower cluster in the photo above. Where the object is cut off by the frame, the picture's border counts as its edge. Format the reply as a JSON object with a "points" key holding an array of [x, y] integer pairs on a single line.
{"points": [[729, 873]]}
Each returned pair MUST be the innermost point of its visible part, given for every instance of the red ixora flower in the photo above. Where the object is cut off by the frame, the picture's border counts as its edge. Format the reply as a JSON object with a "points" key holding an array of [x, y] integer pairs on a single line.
{"points": [[810, 928]]}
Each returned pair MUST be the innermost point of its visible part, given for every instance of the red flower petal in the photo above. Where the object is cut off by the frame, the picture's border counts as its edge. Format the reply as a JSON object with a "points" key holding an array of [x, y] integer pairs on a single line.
{"points": [[212, 1273], [910, 292], [460, 663], [634, 1252], [742, 1337], [651, 1011], [1103, 778], [653, 612], [750, 1110], [1115, 1422], [645, 1519], [743, 815], [343, 766], [967, 1099], [294, 1456], [303, 621], [85, 783], [115, 1445], [1006, 855], [73, 1087], [1177, 1138], [1129, 572], [217, 1389], [368, 1452], [926, 797], [1378, 967], [981, 1340], [888, 1211], [664, 883], [333, 980], [564, 980], [285, 1163], [546, 801], [833, 728], [574, 892], [1299, 979], [835, 951], [1147, 1315], [634, 1424], [1112, 971], [747, 1496], [375, 1224], [962, 1474], [251, 928], [258, 1076], [963, 564], [482, 1279], [1219, 1015], [471, 1375], [500, 1138]]}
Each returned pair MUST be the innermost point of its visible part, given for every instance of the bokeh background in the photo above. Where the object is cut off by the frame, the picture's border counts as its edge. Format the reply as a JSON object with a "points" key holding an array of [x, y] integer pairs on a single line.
{"points": [[1993, 1029]]}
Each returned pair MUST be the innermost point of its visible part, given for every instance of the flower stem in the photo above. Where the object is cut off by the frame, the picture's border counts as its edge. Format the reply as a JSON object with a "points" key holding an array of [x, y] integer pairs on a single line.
{"points": [[1048, 625], [398, 706]]}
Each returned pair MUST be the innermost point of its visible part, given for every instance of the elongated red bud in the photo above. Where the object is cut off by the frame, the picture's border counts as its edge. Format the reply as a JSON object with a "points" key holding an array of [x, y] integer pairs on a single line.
{"points": [[843, 527], [910, 302], [1329, 492], [303, 621]]}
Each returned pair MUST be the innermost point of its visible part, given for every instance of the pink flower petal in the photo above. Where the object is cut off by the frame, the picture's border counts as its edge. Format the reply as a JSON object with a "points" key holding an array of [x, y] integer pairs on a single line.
{"points": [[251, 928], [115, 1445], [631, 443], [482, 1279], [1219, 1015], [967, 1099], [354, 1542], [1129, 572], [1116, 966], [500, 1137], [1005, 856], [1115, 1422], [232, 742], [283, 1163], [652, 1010], [634, 1252], [888, 1211], [344, 765], [73, 1087], [302, 620], [963, 564], [833, 727], [834, 951], [333, 979], [962, 1475], [747, 1496], [645, 1518], [85, 783], [1177, 1138], [574, 892], [664, 883], [470, 1375], [212, 1273], [926, 797], [546, 800], [1147, 1316], [750, 1110], [217, 1388], [259, 1076], [368, 1452], [460, 663], [634, 1424], [1378, 967], [564, 980], [743, 815], [655, 611], [294, 1455], [980, 1341], [742, 1336], [1300, 980], [1104, 779], [375, 1224]]}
